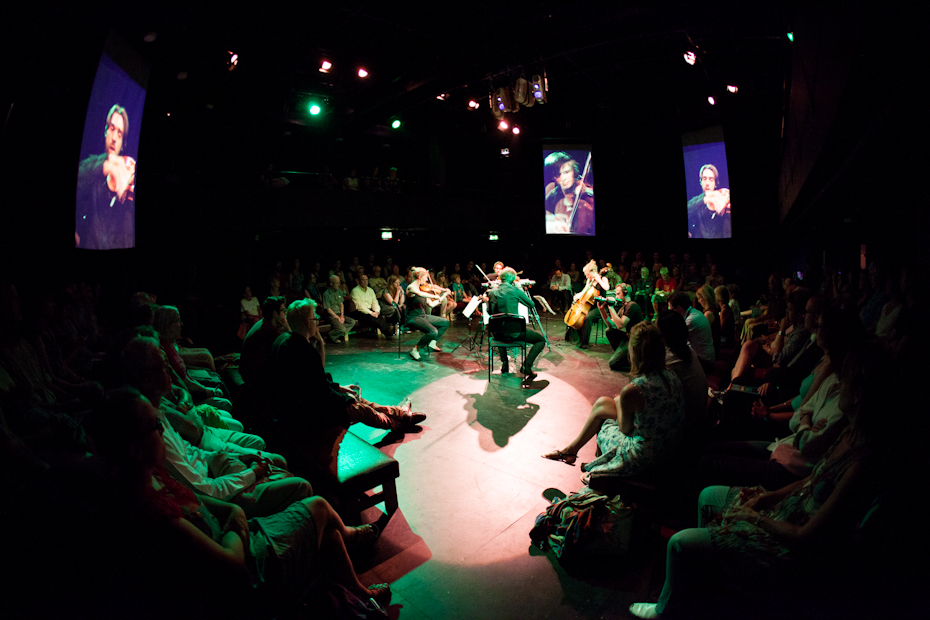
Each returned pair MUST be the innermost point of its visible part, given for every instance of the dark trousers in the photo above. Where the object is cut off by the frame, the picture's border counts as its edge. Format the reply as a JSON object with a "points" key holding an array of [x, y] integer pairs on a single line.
{"points": [[532, 338], [366, 320], [433, 327], [620, 343], [741, 464]]}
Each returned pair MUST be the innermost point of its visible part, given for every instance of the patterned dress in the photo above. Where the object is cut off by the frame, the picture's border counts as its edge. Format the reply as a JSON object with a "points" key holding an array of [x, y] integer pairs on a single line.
{"points": [[656, 430]]}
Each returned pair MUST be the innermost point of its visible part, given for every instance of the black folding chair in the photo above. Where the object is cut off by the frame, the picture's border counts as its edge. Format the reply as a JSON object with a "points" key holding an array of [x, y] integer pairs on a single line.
{"points": [[507, 331]]}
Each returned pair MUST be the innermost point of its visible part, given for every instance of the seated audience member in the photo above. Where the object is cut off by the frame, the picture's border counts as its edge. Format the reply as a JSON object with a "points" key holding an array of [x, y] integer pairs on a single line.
{"points": [[713, 278], [251, 313], [279, 556], [241, 478], [638, 431], [872, 304], [814, 425], [700, 335], [295, 282], [750, 537], [643, 288], [665, 286], [733, 287], [459, 295], [706, 299], [560, 291], [168, 325], [774, 308], [680, 359], [143, 367], [311, 402], [255, 359], [619, 326], [334, 310], [727, 320], [394, 297], [692, 279], [793, 334], [367, 309], [379, 284]]}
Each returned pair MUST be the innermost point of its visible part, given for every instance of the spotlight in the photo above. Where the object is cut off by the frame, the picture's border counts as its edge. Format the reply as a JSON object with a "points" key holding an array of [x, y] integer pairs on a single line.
{"points": [[520, 88], [495, 111], [493, 237], [711, 100], [539, 86], [314, 109], [516, 129], [790, 37], [690, 58], [502, 100], [386, 235], [150, 37], [473, 104], [362, 73], [233, 60], [441, 97], [503, 126], [326, 66], [732, 88], [396, 123]]}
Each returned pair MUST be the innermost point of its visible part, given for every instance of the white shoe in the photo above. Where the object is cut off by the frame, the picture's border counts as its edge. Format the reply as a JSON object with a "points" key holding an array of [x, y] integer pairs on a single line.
{"points": [[435, 346], [415, 354], [644, 610]]}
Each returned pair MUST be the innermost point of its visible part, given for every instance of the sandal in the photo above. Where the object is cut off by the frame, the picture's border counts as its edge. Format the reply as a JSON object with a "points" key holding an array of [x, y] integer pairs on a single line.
{"points": [[558, 455], [365, 536]]}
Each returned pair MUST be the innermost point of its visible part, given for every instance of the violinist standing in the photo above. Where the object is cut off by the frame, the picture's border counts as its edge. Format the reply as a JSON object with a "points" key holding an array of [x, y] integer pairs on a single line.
{"points": [[570, 194], [421, 297]]}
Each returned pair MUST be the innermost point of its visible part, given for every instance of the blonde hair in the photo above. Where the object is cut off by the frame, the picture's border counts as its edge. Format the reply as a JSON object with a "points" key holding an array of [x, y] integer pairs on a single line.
{"points": [[647, 349], [299, 311]]}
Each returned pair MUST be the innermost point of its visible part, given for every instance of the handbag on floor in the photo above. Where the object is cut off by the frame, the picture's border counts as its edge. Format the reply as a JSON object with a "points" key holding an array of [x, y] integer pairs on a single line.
{"points": [[584, 523]]}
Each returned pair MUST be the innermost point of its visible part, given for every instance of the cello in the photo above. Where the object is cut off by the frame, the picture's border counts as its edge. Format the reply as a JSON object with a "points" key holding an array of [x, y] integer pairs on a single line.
{"points": [[584, 301]]}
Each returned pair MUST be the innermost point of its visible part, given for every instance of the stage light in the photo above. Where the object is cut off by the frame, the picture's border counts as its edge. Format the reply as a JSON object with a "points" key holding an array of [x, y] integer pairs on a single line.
{"points": [[362, 73], [441, 97], [539, 86], [520, 90], [505, 152], [711, 100], [150, 37], [492, 237], [314, 109], [473, 104], [233, 60], [326, 66], [690, 58], [791, 37], [516, 129], [732, 88], [386, 235], [502, 100], [495, 111], [503, 126], [396, 123]]}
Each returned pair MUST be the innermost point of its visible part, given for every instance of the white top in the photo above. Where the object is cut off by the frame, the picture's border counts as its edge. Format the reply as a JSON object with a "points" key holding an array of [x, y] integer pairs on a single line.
{"points": [[190, 466], [564, 284], [249, 306], [365, 300]]}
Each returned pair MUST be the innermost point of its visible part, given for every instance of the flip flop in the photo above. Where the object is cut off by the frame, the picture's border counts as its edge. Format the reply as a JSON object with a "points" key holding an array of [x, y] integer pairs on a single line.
{"points": [[558, 455]]}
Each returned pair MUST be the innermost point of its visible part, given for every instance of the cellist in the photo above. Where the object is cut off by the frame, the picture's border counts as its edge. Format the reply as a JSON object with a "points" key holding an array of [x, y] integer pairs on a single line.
{"points": [[595, 286]]}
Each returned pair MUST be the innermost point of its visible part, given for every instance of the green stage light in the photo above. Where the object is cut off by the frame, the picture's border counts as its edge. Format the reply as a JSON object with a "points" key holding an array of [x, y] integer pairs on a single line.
{"points": [[314, 109], [395, 124], [791, 37]]}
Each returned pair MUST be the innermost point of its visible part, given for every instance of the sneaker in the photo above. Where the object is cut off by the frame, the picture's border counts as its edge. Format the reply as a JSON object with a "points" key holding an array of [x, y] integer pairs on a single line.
{"points": [[415, 354], [435, 346]]}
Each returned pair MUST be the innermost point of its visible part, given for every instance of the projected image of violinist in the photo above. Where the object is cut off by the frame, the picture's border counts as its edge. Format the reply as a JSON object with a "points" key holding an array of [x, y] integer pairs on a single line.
{"points": [[569, 192]]}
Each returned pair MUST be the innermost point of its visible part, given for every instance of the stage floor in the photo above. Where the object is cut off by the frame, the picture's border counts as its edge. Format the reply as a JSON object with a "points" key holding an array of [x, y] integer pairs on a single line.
{"points": [[472, 480]]}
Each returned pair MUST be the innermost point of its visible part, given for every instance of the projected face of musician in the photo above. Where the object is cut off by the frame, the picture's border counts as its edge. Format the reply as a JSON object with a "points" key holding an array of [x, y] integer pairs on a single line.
{"points": [[708, 180], [115, 134], [567, 177]]}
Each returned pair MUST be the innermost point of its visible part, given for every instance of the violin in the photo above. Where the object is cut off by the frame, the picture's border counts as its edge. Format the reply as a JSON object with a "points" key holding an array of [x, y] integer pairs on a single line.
{"points": [[122, 180]]}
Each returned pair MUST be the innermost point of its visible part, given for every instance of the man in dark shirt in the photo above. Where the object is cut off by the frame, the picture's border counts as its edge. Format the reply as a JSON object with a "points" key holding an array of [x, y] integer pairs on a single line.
{"points": [[506, 299], [255, 360], [105, 215], [709, 211], [310, 400], [619, 326]]}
